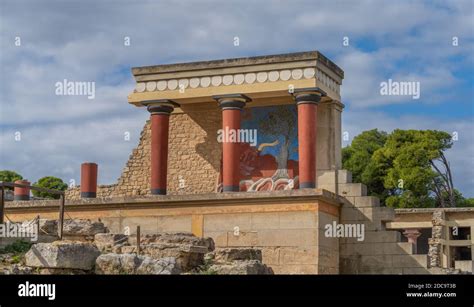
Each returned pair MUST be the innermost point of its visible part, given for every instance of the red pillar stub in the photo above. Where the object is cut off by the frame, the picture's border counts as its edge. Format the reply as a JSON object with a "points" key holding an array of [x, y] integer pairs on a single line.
{"points": [[160, 111], [89, 180], [21, 193], [307, 100]]}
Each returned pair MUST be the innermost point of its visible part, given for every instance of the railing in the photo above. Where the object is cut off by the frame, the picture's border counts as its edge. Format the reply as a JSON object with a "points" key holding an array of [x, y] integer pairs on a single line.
{"points": [[21, 185]]}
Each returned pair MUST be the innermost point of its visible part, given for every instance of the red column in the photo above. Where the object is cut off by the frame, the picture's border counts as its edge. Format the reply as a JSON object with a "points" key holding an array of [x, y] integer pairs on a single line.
{"points": [[160, 114], [231, 106], [307, 100], [89, 180], [20, 193]]}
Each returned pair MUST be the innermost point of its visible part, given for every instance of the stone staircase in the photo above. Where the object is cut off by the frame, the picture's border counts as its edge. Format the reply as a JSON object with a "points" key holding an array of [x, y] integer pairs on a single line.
{"points": [[381, 251]]}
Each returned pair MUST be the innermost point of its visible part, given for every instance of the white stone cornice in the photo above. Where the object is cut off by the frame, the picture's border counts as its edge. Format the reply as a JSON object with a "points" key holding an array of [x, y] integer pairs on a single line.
{"points": [[259, 76], [238, 79]]}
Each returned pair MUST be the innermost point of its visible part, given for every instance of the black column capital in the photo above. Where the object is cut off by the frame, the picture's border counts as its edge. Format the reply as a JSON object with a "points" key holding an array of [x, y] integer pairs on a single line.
{"points": [[160, 106], [311, 95], [232, 101]]}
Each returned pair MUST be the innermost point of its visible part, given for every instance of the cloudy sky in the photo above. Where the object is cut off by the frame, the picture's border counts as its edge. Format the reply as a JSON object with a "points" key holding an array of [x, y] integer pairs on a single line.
{"points": [[43, 42]]}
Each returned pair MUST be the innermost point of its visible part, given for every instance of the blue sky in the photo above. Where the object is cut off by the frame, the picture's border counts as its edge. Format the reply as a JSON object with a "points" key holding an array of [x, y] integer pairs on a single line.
{"points": [[83, 41]]}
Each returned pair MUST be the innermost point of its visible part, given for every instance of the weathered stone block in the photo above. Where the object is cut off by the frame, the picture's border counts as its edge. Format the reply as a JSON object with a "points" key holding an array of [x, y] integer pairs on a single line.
{"points": [[265, 221], [352, 189], [298, 220], [227, 222], [295, 269], [106, 241], [247, 267], [297, 255], [233, 254], [242, 239], [270, 255], [366, 201], [219, 237], [410, 261], [80, 227], [288, 237], [132, 264], [406, 247], [62, 254]]}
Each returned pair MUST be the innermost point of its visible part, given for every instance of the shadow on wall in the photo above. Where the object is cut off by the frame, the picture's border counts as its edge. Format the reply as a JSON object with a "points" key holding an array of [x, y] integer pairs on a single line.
{"points": [[209, 122], [382, 251]]}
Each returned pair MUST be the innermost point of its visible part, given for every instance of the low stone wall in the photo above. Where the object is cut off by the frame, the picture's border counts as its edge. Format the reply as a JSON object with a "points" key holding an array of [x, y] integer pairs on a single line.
{"points": [[102, 191], [288, 226]]}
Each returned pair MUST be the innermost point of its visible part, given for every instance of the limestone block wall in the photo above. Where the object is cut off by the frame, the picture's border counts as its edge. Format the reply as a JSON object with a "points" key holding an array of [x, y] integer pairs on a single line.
{"points": [[292, 242], [328, 154], [288, 226], [381, 251], [193, 158], [102, 191]]}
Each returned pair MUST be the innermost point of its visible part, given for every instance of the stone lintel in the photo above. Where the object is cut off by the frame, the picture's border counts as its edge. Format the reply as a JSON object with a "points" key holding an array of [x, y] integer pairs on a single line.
{"points": [[260, 78]]}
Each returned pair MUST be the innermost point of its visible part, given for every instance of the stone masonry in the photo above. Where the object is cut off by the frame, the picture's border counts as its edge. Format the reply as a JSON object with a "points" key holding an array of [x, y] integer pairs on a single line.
{"points": [[193, 162]]}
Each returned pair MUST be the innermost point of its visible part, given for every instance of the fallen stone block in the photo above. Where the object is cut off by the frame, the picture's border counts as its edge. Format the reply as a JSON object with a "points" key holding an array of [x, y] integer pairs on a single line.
{"points": [[81, 227], [106, 242], [174, 238], [62, 254], [224, 255], [48, 227], [163, 266], [187, 256], [247, 267], [115, 264]]}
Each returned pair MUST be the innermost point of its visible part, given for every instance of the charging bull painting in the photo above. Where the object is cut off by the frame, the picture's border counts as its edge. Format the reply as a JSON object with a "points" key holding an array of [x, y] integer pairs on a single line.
{"points": [[271, 161]]}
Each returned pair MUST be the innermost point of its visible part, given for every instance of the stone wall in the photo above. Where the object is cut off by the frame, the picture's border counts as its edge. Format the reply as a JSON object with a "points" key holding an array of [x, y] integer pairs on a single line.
{"points": [[104, 190], [287, 226], [193, 158]]}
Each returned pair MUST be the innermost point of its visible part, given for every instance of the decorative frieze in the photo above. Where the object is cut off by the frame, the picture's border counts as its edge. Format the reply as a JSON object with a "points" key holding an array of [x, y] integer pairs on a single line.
{"points": [[239, 79]]}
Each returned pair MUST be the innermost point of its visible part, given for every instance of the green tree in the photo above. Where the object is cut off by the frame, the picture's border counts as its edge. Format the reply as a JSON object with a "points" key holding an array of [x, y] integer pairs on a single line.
{"points": [[49, 182], [358, 159], [406, 161], [405, 169], [9, 176], [466, 202], [460, 200]]}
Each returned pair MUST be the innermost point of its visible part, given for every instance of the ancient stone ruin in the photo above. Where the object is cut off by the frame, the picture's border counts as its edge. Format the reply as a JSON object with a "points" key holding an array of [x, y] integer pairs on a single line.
{"points": [[89, 248]]}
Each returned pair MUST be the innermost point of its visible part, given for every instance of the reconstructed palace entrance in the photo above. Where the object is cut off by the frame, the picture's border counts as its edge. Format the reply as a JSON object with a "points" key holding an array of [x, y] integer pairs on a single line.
{"points": [[248, 151], [291, 101]]}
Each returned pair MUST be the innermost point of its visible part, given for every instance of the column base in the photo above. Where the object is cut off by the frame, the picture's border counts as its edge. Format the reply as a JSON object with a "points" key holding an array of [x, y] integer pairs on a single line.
{"points": [[21, 197], [158, 191], [307, 185], [88, 194], [231, 188]]}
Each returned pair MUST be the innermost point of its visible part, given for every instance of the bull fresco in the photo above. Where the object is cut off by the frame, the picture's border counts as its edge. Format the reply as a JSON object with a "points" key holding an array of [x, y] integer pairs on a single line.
{"points": [[273, 163]]}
